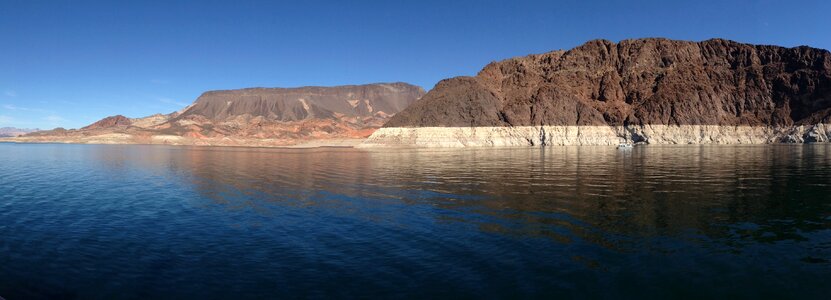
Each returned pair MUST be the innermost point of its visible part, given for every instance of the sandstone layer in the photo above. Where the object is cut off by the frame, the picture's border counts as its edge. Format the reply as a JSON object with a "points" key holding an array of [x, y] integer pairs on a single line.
{"points": [[645, 90]]}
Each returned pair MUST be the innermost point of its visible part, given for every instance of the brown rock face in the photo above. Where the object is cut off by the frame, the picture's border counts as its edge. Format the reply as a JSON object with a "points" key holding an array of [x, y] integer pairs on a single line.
{"points": [[293, 113], [110, 122], [295, 104], [637, 82]]}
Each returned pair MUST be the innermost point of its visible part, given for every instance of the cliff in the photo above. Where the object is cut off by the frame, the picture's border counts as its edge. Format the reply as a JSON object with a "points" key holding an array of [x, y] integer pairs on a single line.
{"points": [[633, 91]]}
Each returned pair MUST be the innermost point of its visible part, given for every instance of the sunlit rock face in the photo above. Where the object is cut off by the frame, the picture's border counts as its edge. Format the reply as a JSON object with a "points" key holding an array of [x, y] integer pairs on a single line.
{"points": [[647, 90]]}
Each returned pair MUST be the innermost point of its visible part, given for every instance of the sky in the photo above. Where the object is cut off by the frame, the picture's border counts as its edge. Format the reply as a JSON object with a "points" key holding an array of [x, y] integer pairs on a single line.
{"points": [[70, 63]]}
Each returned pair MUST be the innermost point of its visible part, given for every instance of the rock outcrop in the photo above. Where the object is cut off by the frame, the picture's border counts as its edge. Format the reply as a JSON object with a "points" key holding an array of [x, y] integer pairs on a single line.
{"points": [[644, 90]]}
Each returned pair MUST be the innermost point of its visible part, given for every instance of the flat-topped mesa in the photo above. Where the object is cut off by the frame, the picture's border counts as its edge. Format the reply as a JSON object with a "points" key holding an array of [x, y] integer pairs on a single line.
{"points": [[683, 92], [295, 104]]}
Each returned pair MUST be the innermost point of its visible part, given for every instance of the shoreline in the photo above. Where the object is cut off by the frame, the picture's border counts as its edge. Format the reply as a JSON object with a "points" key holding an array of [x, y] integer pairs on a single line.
{"points": [[237, 143], [471, 137], [460, 137]]}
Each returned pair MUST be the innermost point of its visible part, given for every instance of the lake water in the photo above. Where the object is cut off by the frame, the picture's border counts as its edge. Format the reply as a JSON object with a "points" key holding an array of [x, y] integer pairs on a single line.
{"points": [[144, 222]]}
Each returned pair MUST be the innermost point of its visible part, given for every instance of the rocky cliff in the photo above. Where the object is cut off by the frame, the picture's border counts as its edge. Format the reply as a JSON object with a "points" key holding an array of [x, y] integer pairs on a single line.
{"points": [[644, 90]]}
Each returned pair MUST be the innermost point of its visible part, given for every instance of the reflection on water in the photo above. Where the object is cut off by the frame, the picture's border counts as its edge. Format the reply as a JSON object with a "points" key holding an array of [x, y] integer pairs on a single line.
{"points": [[87, 221]]}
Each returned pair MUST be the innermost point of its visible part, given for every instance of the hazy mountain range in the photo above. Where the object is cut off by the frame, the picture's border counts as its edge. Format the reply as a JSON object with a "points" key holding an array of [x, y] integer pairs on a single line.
{"points": [[13, 132]]}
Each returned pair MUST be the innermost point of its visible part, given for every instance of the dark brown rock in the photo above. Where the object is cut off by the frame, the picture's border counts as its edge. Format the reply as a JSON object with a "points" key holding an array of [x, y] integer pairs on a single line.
{"points": [[464, 101], [644, 81]]}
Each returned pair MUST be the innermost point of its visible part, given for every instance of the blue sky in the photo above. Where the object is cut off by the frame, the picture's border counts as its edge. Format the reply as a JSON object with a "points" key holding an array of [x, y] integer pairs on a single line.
{"points": [[70, 63]]}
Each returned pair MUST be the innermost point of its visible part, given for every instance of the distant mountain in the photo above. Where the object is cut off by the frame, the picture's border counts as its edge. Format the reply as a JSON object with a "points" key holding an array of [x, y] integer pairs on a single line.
{"points": [[257, 117], [13, 132], [295, 104], [646, 90]]}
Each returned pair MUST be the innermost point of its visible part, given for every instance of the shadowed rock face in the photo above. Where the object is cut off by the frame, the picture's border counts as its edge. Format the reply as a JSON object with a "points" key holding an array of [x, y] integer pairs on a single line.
{"points": [[295, 104], [637, 82]]}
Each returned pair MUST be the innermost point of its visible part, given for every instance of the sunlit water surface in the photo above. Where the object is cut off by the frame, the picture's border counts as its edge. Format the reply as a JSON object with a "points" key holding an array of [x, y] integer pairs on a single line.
{"points": [[145, 222]]}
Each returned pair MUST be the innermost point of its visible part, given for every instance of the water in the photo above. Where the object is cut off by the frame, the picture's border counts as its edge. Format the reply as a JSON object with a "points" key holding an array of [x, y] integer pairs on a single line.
{"points": [[137, 222]]}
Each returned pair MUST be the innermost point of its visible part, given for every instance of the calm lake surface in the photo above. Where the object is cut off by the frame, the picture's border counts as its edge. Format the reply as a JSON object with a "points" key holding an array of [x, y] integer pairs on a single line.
{"points": [[86, 221]]}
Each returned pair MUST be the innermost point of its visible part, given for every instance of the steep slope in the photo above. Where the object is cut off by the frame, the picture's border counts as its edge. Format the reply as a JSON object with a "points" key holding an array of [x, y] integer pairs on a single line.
{"points": [[645, 90]]}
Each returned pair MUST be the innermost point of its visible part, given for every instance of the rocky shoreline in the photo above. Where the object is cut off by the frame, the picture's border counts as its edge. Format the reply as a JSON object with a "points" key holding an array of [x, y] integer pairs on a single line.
{"points": [[654, 91], [495, 136], [456, 137]]}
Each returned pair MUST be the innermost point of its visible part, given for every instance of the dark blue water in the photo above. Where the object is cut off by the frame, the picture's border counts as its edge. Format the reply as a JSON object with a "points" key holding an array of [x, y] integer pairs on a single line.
{"points": [[154, 222]]}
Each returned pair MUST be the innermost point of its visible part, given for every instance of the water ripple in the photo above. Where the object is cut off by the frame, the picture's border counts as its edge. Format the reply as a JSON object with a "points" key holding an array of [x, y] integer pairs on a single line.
{"points": [[165, 222]]}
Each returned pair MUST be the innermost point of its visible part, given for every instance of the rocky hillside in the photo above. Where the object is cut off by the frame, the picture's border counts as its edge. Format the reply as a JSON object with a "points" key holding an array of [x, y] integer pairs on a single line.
{"points": [[293, 113], [295, 104], [640, 82], [645, 90], [256, 117]]}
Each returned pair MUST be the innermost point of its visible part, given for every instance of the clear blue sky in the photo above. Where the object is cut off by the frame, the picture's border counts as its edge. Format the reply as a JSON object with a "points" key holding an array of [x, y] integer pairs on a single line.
{"points": [[69, 63]]}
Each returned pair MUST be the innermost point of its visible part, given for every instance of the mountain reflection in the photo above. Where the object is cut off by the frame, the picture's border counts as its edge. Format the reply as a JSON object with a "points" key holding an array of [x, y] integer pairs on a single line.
{"points": [[599, 195], [587, 222]]}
